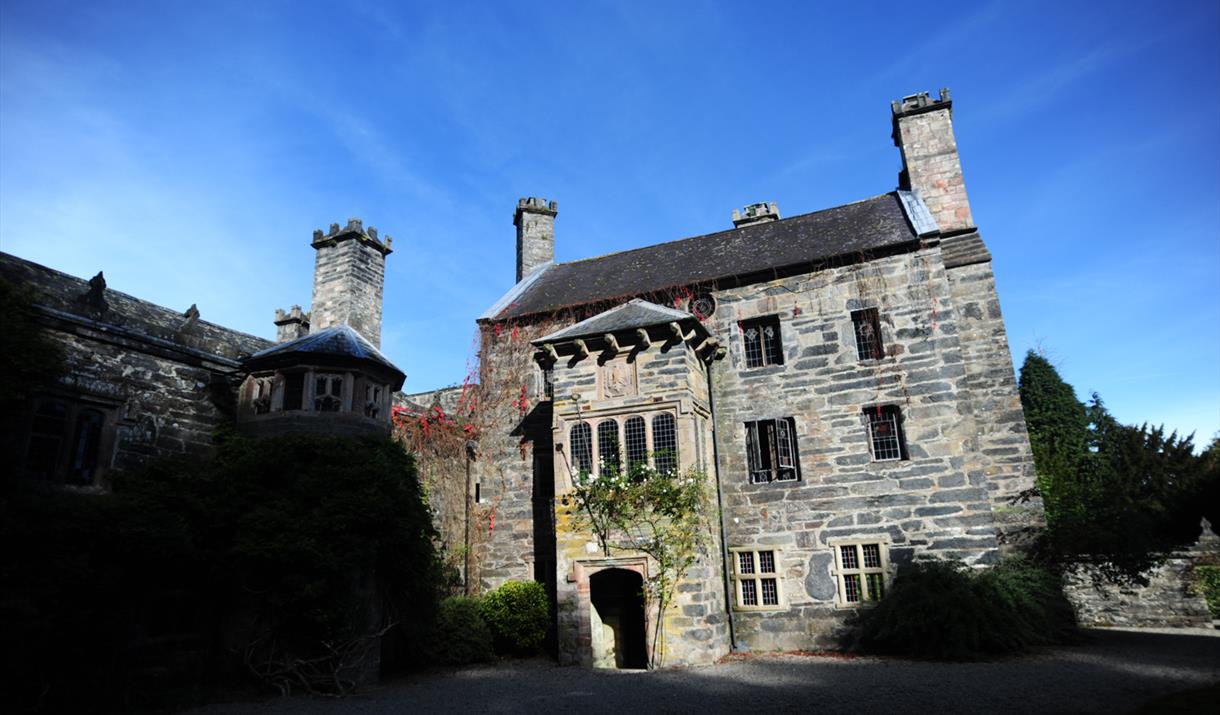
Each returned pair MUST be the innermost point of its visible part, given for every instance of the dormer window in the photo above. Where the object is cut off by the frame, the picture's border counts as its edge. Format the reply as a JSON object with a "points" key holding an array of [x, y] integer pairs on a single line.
{"points": [[328, 393]]}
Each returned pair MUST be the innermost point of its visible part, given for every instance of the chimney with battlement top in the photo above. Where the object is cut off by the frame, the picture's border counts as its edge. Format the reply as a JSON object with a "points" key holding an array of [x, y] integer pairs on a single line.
{"points": [[923, 132], [291, 325], [755, 213], [535, 222], [349, 279]]}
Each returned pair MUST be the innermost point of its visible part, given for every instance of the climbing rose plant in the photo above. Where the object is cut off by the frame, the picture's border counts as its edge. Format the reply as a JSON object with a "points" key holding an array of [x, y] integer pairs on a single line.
{"points": [[664, 514]]}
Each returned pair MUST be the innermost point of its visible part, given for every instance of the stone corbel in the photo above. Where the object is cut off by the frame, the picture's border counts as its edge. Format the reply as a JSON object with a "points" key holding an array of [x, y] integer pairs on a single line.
{"points": [[612, 346], [642, 338], [581, 349]]}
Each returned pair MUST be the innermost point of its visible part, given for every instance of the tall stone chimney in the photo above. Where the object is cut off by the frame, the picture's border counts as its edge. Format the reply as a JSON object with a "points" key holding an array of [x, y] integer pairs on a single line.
{"points": [[923, 132], [535, 222], [349, 279]]}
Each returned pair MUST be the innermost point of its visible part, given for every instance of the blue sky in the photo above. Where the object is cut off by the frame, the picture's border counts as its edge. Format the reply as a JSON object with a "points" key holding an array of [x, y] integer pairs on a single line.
{"points": [[189, 150]]}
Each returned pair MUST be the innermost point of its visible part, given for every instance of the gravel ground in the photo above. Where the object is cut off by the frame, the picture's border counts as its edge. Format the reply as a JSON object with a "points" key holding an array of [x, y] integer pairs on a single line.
{"points": [[1112, 671]]}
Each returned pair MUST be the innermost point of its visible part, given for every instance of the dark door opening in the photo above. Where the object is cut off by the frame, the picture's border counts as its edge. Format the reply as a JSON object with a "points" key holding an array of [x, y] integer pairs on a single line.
{"points": [[619, 637]]}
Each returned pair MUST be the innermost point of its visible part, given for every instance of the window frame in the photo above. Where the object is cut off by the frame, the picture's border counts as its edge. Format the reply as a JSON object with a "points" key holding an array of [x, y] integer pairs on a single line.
{"points": [[775, 452], [84, 442], [756, 578], [860, 570], [872, 344], [764, 357], [875, 415], [593, 423]]}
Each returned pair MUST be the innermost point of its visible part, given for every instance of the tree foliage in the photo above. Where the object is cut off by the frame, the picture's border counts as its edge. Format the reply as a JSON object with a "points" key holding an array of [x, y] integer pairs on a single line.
{"points": [[287, 556], [29, 360], [1115, 492]]}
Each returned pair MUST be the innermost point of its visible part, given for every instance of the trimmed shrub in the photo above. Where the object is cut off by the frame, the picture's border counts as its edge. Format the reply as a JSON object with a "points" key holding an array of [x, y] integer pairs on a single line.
{"points": [[518, 615], [943, 610], [1209, 583], [461, 635]]}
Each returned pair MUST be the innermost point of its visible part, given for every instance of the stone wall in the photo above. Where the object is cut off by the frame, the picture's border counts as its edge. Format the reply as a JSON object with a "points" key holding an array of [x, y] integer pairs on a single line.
{"points": [[929, 503], [162, 379], [1172, 596], [998, 449]]}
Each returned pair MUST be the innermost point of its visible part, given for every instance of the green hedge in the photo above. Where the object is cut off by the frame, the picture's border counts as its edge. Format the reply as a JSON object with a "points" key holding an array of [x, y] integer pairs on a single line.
{"points": [[944, 610], [1209, 581], [461, 636], [519, 615]]}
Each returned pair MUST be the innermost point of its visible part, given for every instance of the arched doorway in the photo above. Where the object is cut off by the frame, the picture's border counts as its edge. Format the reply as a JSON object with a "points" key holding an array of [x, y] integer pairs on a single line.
{"points": [[619, 630]]}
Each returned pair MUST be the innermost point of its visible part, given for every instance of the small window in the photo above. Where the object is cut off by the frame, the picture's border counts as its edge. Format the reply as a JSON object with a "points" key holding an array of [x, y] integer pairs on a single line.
{"points": [[546, 378], [771, 454], [885, 433], [761, 340], [581, 437], [294, 390], [328, 393], [83, 467], [607, 447], [635, 435], [867, 326], [261, 395], [664, 443], [756, 577], [860, 570], [372, 400]]}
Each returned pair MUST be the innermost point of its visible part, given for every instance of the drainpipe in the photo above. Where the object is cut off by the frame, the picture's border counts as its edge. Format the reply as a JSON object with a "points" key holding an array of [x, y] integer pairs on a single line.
{"points": [[724, 544], [472, 450]]}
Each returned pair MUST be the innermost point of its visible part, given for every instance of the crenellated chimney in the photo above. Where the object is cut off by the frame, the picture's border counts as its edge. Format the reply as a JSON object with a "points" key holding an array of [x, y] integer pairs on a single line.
{"points": [[291, 325], [535, 222], [349, 278], [755, 213], [923, 131]]}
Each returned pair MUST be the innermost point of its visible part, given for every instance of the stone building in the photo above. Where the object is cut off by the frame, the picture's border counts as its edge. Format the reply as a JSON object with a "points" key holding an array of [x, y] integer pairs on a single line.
{"points": [[143, 381], [843, 376]]}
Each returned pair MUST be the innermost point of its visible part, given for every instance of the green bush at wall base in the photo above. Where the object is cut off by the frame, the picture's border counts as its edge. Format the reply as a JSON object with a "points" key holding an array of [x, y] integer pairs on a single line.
{"points": [[518, 615], [461, 635], [1209, 580], [943, 610]]}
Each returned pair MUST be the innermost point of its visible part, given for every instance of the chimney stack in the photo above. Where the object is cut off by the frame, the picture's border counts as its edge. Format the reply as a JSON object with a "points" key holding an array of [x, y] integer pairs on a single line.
{"points": [[291, 325], [349, 278], [535, 222], [923, 132], [755, 213]]}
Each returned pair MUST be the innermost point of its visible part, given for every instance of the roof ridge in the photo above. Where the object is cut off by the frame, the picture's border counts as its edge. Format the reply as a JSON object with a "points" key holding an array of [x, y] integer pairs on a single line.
{"points": [[727, 230]]}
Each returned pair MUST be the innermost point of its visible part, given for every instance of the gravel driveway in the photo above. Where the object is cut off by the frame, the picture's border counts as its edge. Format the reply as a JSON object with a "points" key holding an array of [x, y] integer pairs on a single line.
{"points": [[1112, 671]]}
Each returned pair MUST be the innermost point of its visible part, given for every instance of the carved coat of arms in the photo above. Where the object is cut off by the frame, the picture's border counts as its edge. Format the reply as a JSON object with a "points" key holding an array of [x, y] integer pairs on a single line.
{"points": [[618, 380]]}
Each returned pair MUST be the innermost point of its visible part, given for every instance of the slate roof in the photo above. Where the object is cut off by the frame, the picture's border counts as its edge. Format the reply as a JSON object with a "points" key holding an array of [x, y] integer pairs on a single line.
{"points": [[338, 345], [868, 225], [637, 313]]}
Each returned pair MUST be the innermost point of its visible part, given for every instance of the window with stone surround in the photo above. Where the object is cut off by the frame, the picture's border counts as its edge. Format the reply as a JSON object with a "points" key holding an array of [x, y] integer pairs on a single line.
{"points": [[624, 435], [608, 457], [294, 390], [760, 340], [756, 579], [664, 443], [580, 437], [67, 441], [635, 433], [328, 393], [885, 435], [861, 568], [866, 324], [771, 454]]}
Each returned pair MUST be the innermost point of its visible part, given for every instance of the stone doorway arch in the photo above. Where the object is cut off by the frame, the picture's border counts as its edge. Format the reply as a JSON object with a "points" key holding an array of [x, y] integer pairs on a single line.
{"points": [[618, 620]]}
